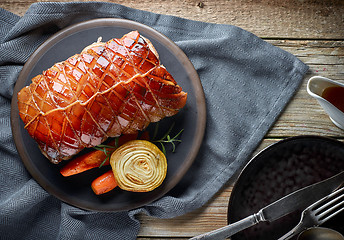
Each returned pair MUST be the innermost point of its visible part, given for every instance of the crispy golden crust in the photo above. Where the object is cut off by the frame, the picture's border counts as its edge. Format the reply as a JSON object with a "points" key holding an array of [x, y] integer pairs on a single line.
{"points": [[108, 89]]}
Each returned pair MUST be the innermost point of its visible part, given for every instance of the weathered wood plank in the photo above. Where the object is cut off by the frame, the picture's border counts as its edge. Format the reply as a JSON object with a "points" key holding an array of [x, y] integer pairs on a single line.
{"points": [[190, 224], [196, 222], [265, 18], [277, 21], [302, 116]]}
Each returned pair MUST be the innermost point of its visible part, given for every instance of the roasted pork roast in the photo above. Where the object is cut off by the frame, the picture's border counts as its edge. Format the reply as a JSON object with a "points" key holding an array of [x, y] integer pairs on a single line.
{"points": [[109, 89]]}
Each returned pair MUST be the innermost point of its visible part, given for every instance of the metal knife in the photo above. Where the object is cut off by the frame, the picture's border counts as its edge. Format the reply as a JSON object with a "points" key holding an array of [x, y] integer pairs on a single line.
{"points": [[297, 200]]}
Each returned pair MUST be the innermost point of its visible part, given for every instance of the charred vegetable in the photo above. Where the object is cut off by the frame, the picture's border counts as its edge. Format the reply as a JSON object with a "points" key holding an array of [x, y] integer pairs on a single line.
{"points": [[138, 166]]}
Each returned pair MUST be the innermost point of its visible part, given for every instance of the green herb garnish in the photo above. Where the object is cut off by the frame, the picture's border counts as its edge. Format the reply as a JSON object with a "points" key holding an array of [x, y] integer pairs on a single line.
{"points": [[104, 149], [164, 140], [167, 138]]}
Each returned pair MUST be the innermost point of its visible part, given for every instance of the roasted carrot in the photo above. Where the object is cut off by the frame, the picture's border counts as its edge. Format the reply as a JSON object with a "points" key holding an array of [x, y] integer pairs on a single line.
{"points": [[83, 163], [104, 183], [94, 158], [107, 181]]}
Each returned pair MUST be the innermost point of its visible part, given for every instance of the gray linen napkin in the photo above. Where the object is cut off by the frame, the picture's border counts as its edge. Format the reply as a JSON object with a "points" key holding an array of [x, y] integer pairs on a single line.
{"points": [[247, 83]]}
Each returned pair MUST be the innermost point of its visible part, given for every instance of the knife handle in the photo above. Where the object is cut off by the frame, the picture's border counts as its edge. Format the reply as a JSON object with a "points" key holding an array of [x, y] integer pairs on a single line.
{"points": [[231, 229]]}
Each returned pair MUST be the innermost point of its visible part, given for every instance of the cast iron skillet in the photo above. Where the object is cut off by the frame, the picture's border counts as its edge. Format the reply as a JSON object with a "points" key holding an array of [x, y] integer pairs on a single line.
{"points": [[278, 170]]}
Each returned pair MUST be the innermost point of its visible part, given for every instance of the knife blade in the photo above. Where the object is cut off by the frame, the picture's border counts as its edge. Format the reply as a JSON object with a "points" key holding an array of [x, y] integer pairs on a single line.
{"points": [[297, 200]]}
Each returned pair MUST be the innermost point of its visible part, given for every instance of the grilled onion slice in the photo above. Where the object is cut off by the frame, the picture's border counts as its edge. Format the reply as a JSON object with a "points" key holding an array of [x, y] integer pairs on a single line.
{"points": [[138, 166]]}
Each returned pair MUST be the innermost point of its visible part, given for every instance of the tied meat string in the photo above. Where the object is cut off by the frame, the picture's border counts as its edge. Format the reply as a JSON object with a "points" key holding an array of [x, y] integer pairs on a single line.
{"points": [[166, 139]]}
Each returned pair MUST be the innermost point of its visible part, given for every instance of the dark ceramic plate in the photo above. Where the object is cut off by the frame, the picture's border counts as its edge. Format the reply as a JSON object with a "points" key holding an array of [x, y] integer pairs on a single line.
{"points": [[278, 170], [76, 190]]}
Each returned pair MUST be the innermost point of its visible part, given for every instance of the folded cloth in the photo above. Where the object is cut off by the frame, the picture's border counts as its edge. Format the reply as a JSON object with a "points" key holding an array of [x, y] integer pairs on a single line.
{"points": [[247, 83]]}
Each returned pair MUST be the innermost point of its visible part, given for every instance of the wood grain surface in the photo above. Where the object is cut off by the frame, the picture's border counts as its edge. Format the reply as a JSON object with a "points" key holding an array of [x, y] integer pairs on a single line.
{"points": [[306, 19], [311, 30]]}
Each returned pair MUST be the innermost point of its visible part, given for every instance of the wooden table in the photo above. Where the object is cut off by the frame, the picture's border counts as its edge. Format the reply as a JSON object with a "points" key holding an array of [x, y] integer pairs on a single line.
{"points": [[312, 30]]}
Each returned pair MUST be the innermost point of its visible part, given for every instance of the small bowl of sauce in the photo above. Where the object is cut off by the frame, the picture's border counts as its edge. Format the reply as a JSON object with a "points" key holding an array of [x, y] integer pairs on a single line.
{"points": [[335, 95], [330, 95]]}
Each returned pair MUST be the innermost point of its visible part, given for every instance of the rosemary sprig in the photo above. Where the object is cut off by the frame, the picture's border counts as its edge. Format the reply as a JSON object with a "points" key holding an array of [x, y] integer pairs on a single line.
{"points": [[167, 138], [107, 149], [104, 148]]}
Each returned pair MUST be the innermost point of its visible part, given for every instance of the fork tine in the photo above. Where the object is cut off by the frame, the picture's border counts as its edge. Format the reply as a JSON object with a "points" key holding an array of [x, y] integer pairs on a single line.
{"points": [[324, 219], [330, 200], [330, 206], [319, 212]]}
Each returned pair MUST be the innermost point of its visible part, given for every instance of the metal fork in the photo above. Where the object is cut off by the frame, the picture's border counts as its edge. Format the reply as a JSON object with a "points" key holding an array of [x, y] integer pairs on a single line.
{"points": [[319, 212]]}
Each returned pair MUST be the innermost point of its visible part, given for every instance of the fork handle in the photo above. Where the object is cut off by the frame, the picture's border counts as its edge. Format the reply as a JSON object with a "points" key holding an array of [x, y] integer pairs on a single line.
{"points": [[230, 229]]}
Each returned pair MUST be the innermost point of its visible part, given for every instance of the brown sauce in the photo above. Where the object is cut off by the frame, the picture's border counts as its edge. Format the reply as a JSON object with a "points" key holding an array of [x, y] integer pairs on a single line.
{"points": [[335, 95]]}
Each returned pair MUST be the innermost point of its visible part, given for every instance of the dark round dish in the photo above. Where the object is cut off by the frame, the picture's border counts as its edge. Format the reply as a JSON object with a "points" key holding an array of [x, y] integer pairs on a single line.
{"points": [[76, 190], [278, 170]]}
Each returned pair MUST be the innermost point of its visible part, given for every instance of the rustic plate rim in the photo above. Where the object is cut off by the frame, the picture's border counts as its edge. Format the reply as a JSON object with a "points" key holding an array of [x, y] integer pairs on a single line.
{"points": [[116, 22]]}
